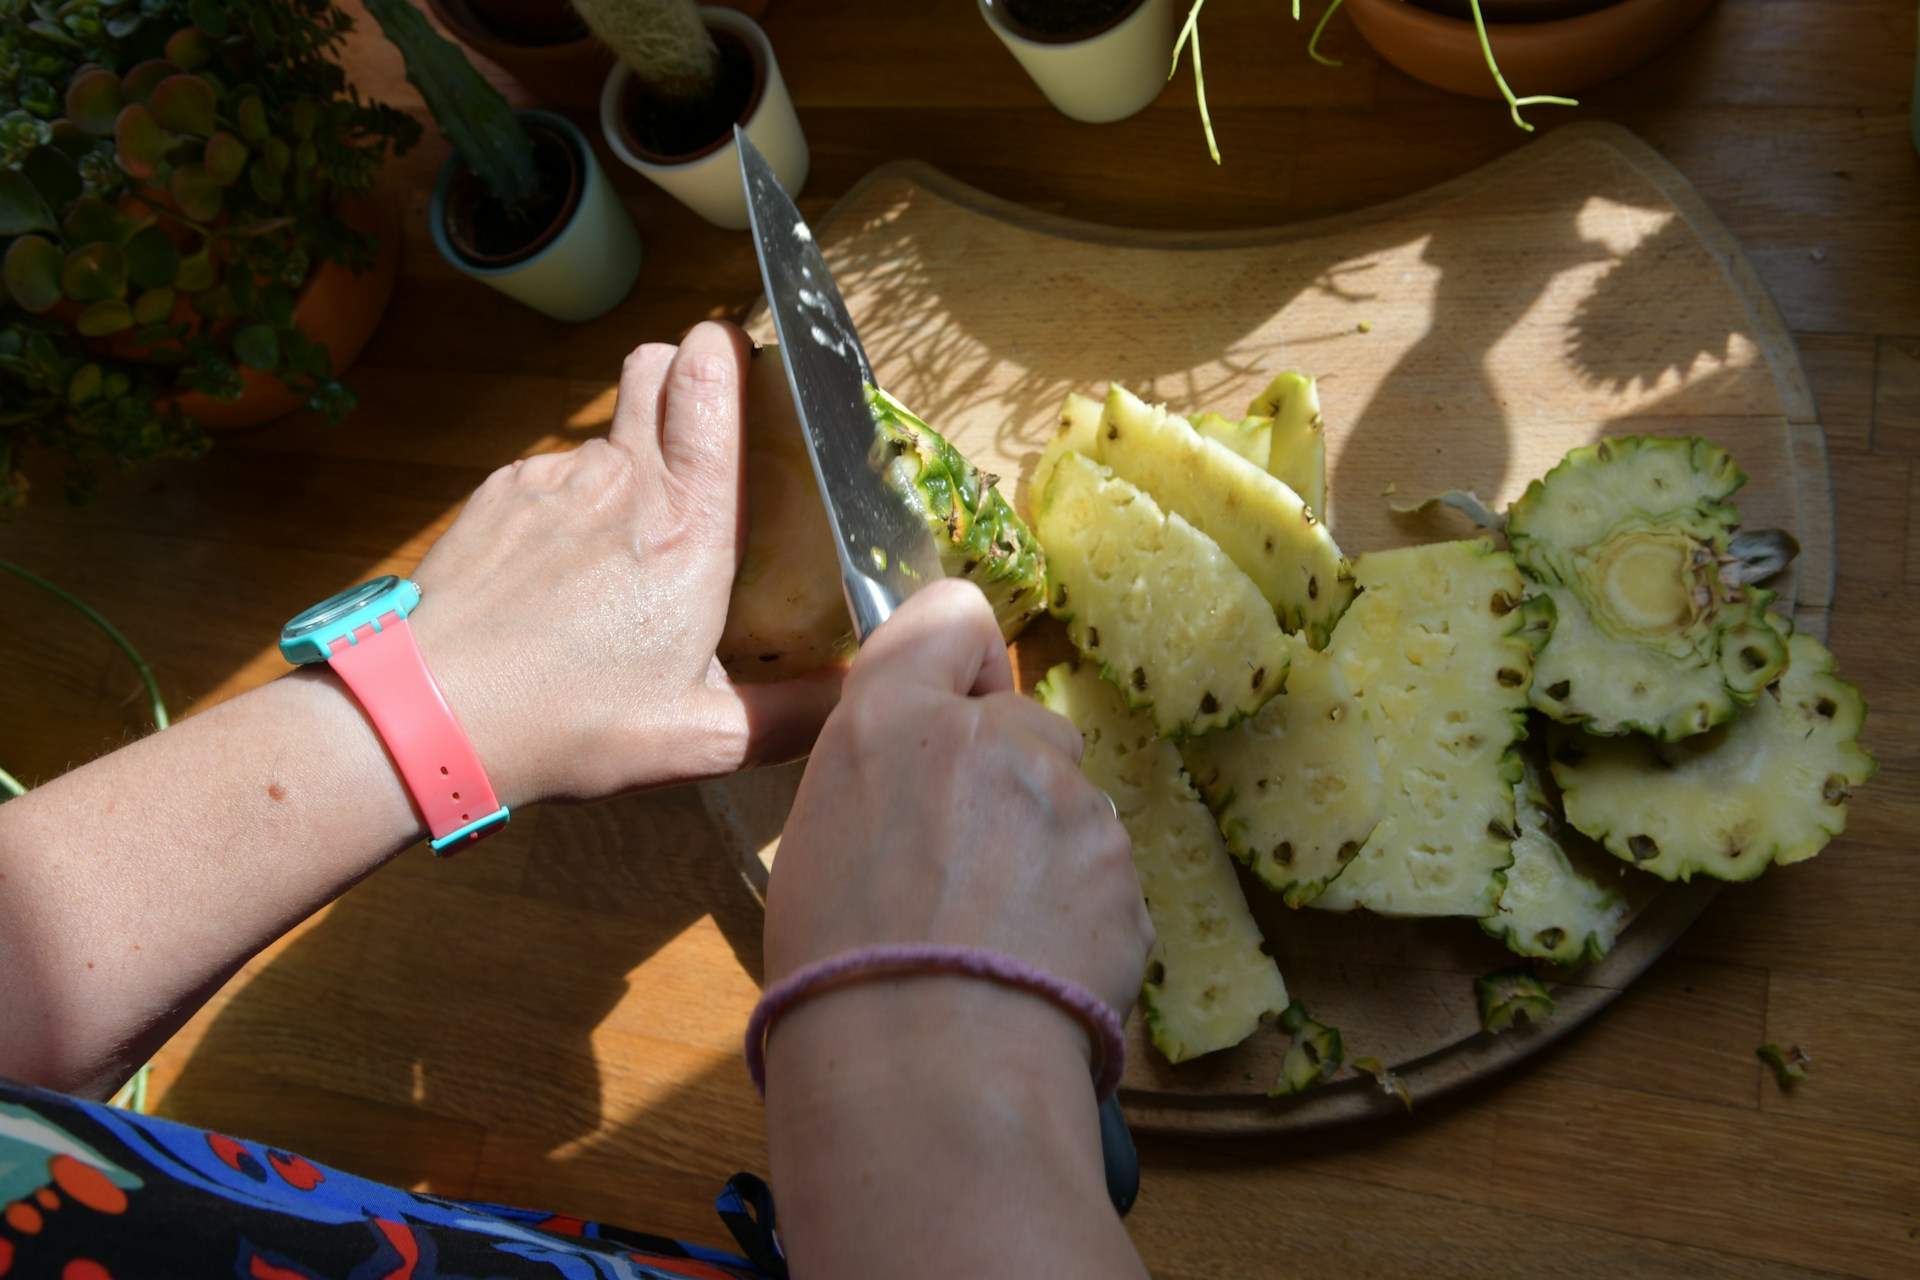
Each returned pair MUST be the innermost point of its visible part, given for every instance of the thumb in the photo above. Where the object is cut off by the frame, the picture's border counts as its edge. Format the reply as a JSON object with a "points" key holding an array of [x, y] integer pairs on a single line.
{"points": [[943, 637]]}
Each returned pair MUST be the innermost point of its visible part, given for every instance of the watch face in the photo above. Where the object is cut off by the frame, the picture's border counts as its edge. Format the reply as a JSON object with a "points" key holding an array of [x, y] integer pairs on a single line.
{"points": [[334, 608]]}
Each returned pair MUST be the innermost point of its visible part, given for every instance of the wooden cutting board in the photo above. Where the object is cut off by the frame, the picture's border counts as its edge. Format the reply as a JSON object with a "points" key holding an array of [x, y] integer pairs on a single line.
{"points": [[1464, 338]]}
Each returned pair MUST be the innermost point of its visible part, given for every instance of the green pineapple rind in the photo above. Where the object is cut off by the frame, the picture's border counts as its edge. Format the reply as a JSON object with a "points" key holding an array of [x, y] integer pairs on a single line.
{"points": [[1768, 788], [1509, 995], [1609, 671], [1551, 909], [980, 536], [1315, 1056], [1210, 983]]}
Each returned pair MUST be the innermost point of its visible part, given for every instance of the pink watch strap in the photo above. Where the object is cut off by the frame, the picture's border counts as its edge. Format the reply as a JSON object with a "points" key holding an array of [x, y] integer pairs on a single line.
{"points": [[384, 669]]}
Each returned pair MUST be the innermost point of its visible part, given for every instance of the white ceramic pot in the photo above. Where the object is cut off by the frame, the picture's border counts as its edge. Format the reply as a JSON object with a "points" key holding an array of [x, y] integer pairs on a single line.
{"points": [[1107, 76], [709, 184], [586, 269]]}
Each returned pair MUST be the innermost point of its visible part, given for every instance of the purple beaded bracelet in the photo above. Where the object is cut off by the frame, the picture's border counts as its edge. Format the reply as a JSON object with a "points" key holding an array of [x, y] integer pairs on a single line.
{"points": [[896, 959]]}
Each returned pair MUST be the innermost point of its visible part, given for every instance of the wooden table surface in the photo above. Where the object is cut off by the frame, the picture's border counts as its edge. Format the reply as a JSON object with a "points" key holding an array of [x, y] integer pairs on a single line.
{"points": [[554, 1020]]}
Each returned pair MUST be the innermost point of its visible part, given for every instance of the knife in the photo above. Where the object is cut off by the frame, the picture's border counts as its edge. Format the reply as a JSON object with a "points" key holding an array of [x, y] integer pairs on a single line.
{"points": [[885, 550]]}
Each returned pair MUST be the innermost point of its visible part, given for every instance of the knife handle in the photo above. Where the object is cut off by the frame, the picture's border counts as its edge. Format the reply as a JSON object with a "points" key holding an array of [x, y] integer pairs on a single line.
{"points": [[1117, 1154]]}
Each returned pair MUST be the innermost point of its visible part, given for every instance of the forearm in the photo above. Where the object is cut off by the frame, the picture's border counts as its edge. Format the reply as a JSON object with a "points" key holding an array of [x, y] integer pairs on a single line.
{"points": [[939, 1126], [132, 887]]}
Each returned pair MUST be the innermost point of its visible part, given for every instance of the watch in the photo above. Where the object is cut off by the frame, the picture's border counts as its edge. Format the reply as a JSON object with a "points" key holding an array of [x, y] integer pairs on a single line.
{"points": [[363, 634]]}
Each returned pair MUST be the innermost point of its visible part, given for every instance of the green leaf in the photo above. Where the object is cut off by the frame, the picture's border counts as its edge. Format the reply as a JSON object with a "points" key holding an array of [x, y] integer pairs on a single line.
{"points": [[104, 318], [153, 306], [241, 288], [197, 194], [32, 272], [226, 157], [152, 258], [250, 117], [85, 384], [276, 303], [138, 83], [306, 156], [122, 25], [209, 16], [265, 182], [183, 104], [93, 100], [139, 142], [189, 48], [196, 272], [94, 274], [302, 116], [277, 155], [257, 346], [53, 175], [21, 208], [92, 220]]}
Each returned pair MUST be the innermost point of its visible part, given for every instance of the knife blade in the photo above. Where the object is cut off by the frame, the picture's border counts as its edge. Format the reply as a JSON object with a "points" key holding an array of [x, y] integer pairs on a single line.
{"points": [[886, 551]]}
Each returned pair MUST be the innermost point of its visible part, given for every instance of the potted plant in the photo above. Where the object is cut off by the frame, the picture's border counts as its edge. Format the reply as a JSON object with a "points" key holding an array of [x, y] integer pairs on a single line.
{"points": [[541, 43], [686, 75], [1095, 60], [521, 204], [183, 239]]}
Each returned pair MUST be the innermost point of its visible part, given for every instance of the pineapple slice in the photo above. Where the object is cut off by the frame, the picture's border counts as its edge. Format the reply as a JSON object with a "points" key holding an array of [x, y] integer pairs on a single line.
{"points": [[1296, 787], [1169, 618], [1258, 521], [1509, 997], [1297, 454], [1210, 983], [1079, 420], [1658, 630], [1251, 437], [1771, 787], [1549, 908], [1437, 652]]}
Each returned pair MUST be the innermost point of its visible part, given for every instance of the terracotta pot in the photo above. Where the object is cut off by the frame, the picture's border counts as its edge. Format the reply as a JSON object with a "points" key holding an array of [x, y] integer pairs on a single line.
{"points": [[1564, 57], [337, 307], [563, 75], [1514, 10]]}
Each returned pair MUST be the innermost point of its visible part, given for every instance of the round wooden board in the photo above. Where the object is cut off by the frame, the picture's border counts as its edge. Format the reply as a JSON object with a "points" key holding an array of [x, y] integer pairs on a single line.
{"points": [[1464, 338]]}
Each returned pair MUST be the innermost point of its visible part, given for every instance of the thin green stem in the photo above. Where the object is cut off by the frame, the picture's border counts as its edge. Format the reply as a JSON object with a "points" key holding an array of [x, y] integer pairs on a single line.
{"points": [[1313, 41], [155, 703], [1513, 104], [1190, 36], [11, 785]]}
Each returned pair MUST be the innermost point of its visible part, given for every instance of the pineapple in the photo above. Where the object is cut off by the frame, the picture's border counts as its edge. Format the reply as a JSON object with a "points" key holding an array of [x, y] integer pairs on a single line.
{"points": [[1296, 787], [1256, 520], [1315, 1056], [1079, 420], [1510, 995], [1297, 455], [1771, 787], [1658, 629], [1210, 983], [1170, 619], [1437, 652], [1251, 437], [1551, 909], [787, 614]]}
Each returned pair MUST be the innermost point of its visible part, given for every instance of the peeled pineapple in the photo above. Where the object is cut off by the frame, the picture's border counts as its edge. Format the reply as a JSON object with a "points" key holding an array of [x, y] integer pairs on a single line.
{"points": [[1209, 983], [1437, 652], [1079, 421], [1251, 437], [1658, 630], [1551, 909], [1169, 618], [1297, 453], [1258, 521], [787, 614], [1296, 787], [1770, 787]]}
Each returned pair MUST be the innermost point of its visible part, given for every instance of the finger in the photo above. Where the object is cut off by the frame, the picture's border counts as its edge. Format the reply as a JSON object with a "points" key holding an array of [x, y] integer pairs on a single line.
{"points": [[636, 412], [1049, 727], [775, 723], [701, 425], [943, 637]]}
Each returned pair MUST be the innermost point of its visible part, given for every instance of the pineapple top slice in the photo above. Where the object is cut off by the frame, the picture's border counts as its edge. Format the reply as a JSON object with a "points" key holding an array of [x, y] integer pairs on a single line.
{"points": [[1297, 452], [1296, 787], [1437, 650], [1169, 618], [1258, 521], [1657, 632], [1209, 981], [1551, 909], [1771, 786]]}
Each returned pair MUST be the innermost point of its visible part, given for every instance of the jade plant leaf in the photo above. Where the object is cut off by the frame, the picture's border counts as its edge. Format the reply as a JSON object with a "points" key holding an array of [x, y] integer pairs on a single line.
{"points": [[94, 273], [197, 194], [196, 273], [93, 100], [139, 142], [183, 104], [226, 157], [152, 259], [250, 117], [258, 346], [209, 16], [91, 220], [153, 306], [139, 83], [103, 318], [21, 208], [52, 173], [85, 384], [302, 116], [189, 48], [32, 272], [265, 182], [276, 155]]}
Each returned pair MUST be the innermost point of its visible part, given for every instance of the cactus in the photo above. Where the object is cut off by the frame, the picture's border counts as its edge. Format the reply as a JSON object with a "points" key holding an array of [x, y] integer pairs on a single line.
{"points": [[663, 41], [473, 115]]}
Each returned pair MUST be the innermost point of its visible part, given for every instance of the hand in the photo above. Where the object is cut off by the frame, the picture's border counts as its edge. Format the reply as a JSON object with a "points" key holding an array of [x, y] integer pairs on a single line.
{"points": [[942, 806], [570, 613]]}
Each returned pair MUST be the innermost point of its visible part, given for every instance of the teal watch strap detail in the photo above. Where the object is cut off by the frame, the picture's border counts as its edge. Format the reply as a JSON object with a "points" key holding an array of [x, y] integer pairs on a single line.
{"points": [[303, 643], [474, 830]]}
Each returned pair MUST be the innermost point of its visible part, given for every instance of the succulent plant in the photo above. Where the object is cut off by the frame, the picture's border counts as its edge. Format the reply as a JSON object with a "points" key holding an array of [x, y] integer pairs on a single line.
{"points": [[170, 174]]}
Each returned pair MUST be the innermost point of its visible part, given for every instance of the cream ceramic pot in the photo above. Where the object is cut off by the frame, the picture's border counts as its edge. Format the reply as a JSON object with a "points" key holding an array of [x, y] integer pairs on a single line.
{"points": [[1107, 76]]}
